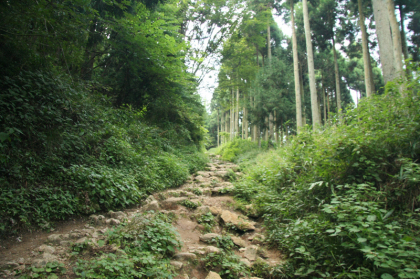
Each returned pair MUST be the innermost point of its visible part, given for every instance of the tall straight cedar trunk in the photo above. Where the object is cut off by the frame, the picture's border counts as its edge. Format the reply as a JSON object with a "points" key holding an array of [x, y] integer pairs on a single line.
{"points": [[299, 122], [383, 33], [311, 68], [276, 127], [396, 38], [237, 113], [222, 126], [232, 115], [337, 82], [366, 55], [218, 132], [302, 95], [269, 44]]}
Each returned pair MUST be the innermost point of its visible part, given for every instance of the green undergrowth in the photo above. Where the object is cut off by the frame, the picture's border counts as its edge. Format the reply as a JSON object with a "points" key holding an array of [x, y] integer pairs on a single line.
{"points": [[65, 151], [239, 150], [343, 201], [145, 246]]}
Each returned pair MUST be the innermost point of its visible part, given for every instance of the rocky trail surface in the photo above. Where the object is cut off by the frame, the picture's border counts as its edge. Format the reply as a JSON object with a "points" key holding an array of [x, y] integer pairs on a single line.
{"points": [[203, 213]]}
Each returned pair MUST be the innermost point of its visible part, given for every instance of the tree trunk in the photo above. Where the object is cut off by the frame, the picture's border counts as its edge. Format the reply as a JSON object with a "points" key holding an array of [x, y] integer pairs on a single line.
{"points": [[232, 115], [403, 36], [302, 95], [245, 122], [271, 126], [325, 103], [259, 135], [281, 132], [311, 68], [218, 133], [237, 112], [328, 102], [366, 56], [396, 38], [337, 82], [276, 127], [299, 122], [269, 44], [383, 33]]}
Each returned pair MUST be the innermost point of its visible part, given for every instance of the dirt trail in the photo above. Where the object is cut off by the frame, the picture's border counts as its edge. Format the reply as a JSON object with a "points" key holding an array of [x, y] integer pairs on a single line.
{"points": [[207, 193]]}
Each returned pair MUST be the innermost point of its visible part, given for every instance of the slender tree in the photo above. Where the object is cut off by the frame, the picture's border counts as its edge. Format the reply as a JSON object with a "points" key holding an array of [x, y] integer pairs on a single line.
{"points": [[311, 68]]}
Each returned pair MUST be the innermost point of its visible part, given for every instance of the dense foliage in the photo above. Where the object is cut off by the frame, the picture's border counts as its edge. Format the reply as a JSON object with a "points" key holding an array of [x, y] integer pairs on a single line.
{"points": [[343, 202], [97, 108]]}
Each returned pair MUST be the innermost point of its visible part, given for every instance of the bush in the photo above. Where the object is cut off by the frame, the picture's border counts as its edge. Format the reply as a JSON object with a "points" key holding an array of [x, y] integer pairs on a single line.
{"points": [[66, 151], [342, 202]]}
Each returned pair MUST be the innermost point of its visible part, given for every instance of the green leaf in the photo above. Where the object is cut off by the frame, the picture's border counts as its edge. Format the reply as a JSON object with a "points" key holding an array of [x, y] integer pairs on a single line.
{"points": [[386, 276], [3, 136], [361, 239]]}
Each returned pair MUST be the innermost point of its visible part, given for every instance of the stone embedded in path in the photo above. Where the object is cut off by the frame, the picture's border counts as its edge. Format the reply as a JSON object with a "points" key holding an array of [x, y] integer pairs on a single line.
{"points": [[97, 219], [257, 238], [212, 249], [213, 275], [46, 258], [204, 173], [117, 215], [215, 210], [46, 249], [208, 237], [251, 252], [172, 203], [185, 256], [113, 222], [54, 238], [232, 218], [152, 206], [238, 241], [177, 265], [221, 174]]}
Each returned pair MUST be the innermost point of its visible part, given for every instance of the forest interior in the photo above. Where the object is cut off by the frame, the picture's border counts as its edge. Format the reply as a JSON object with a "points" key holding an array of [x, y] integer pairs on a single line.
{"points": [[304, 164]]}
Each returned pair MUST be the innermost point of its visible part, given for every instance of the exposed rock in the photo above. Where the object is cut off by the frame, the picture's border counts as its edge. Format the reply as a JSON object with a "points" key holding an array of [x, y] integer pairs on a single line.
{"points": [[46, 257], [150, 199], [54, 238], [207, 192], [172, 203], [113, 222], [118, 215], [10, 265], [21, 261], [46, 249], [185, 256], [152, 206], [212, 249], [221, 174], [209, 237], [232, 218], [257, 238], [202, 210], [204, 173], [64, 243], [177, 265], [75, 235], [81, 240], [251, 252], [251, 211], [97, 219], [215, 210], [239, 241], [213, 275]]}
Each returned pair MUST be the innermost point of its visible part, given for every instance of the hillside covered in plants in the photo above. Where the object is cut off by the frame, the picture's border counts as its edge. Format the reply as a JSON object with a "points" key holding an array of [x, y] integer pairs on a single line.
{"points": [[313, 128], [97, 108]]}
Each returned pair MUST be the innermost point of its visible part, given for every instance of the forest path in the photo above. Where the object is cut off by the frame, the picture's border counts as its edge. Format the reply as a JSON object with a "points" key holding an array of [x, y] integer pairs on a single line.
{"points": [[204, 213]]}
